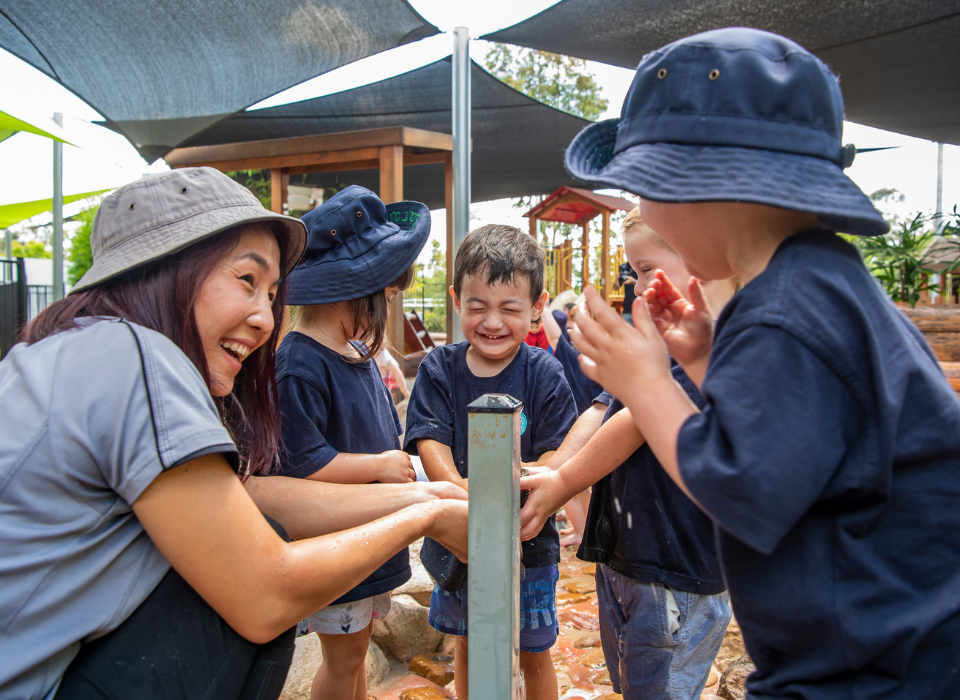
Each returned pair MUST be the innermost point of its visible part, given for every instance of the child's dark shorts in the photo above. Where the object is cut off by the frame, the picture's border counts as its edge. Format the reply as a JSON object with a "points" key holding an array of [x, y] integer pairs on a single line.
{"points": [[538, 609]]}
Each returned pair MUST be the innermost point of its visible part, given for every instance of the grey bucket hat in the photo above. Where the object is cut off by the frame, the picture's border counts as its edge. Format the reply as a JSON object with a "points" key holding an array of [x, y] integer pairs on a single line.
{"points": [[162, 214], [732, 114]]}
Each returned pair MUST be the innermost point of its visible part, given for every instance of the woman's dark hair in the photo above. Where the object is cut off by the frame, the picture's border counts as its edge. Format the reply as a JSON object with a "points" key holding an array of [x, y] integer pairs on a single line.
{"points": [[370, 313], [502, 252], [161, 295]]}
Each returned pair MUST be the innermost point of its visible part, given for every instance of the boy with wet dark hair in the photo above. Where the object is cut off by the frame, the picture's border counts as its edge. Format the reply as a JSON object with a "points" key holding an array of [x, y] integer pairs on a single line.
{"points": [[828, 451], [497, 289]]}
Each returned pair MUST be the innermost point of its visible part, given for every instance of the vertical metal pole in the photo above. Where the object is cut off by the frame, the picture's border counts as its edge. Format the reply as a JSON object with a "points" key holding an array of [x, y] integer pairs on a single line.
{"points": [[58, 213], [493, 612], [8, 244], [939, 187], [461, 147]]}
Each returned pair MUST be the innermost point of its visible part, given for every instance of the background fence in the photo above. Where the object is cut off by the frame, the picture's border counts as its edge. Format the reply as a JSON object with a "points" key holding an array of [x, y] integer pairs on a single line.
{"points": [[13, 302]]}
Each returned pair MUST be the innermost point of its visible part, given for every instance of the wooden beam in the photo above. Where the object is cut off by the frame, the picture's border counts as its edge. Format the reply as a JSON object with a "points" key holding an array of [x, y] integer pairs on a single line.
{"points": [[585, 272], [451, 316], [279, 182], [533, 227], [605, 256], [322, 143], [391, 190], [372, 164]]}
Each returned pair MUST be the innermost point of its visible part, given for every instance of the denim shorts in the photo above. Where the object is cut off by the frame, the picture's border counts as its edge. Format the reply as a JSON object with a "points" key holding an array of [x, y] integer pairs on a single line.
{"points": [[658, 643], [538, 609]]}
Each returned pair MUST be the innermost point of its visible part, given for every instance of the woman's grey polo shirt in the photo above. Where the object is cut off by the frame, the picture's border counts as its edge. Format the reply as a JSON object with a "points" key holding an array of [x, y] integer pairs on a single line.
{"points": [[88, 419]]}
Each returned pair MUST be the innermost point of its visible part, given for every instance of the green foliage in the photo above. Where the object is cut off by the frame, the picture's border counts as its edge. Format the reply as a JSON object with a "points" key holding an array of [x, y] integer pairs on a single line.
{"points": [[257, 181], [30, 249], [430, 282], [80, 256], [554, 79]]}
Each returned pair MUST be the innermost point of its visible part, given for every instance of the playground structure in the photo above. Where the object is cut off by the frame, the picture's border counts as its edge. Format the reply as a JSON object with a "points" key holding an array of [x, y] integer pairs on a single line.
{"points": [[572, 205]]}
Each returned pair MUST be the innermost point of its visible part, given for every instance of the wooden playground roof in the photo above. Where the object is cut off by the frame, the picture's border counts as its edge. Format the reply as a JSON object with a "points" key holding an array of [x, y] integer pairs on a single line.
{"points": [[573, 205]]}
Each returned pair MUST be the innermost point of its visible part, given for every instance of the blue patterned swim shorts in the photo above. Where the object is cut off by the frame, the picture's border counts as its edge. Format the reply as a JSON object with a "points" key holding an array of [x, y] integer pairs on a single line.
{"points": [[538, 609]]}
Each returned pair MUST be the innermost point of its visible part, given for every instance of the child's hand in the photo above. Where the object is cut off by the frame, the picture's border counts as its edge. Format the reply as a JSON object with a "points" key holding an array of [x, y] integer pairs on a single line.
{"points": [[449, 526], [548, 493], [686, 326], [396, 468], [624, 359]]}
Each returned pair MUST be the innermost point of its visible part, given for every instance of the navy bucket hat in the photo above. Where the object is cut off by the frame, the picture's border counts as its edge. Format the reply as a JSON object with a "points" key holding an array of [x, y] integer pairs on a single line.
{"points": [[731, 115], [356, 246]]}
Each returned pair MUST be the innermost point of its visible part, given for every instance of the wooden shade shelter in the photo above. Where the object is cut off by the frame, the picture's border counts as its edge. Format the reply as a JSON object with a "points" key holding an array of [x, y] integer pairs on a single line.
{"points": [[572, 205], [389, 150]]}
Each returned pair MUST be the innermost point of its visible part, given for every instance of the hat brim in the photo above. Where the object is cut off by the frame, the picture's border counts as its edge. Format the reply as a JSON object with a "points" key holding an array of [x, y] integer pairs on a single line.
{"points": [[327, 282], [684, 173], [199, 227]]}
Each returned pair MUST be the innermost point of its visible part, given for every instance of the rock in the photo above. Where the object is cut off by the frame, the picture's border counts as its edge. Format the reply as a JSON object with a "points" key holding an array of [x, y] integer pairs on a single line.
{"points": [[733, 682], [448, 645], [434, 667], [590, 569], [408, 632], [592, 659], [588, 641], [563, 682], [424, 693], [579, 619], [572, 598], [306, 660], [732, 647], [601, 678], [713, 677], [580, 584], [420, 585], [376, 665], [307, 657]]}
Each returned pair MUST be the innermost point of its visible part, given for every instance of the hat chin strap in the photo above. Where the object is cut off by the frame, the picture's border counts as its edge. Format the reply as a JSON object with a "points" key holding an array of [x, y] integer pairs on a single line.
{"points": [[846, 158]]}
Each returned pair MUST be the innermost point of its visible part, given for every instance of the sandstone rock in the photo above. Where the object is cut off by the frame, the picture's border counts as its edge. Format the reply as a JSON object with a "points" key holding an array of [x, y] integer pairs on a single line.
{"points": [[579, 619], [307, 657], [733, 683], [588, 641], [420, 585], [424, 693], [580, 584], [408, 632], [563, 682], [571, 598], [713, 677], [448, 645], [601, 678], [590, 569], [592, 659], [434, 667], [732, 647]]}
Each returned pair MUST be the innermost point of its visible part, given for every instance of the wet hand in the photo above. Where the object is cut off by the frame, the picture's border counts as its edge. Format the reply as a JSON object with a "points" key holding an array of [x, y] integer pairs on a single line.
{"points": [[623, 359], [396, 468], [449, 527], [548, 493], [445, 489], [686, 325]]}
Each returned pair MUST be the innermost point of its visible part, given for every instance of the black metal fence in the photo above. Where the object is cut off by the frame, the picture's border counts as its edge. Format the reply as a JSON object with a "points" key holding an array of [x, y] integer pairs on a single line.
{"points": [[13, 302], [39, 297]]}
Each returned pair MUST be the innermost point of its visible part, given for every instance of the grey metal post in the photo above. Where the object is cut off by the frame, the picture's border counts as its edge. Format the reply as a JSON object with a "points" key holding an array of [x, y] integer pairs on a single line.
{"points": [[58, 213], [8, 244], [461, 146], [493, 612]]}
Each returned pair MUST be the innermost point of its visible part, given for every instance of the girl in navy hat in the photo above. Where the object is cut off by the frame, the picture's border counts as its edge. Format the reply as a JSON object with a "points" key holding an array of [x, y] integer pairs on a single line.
{"points": [[339, 423]]}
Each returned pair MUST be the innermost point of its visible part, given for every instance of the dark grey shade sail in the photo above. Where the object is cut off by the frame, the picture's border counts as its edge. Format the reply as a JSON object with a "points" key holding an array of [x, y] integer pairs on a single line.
{"points": [[898, 62], [161, 72], [518, 143]]}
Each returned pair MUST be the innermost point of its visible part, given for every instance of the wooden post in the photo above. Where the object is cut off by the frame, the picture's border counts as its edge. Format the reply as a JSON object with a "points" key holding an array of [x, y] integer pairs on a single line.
{"points": [[279, 182], [585, 274], [533, 227], [451, 316], [566, 262], [605, 256], [391, 190]]}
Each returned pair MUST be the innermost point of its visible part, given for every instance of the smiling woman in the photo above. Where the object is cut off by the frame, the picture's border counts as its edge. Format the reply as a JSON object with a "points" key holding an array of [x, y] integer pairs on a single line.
{"points": [[129, 409]]}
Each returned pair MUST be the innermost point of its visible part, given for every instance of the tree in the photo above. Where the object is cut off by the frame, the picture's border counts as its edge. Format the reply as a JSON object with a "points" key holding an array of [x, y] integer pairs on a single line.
{"points": [[30, 249], [560, 81], [80, 255]]}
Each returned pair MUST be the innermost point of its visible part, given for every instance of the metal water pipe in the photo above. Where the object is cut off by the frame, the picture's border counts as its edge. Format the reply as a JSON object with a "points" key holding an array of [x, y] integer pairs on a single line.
{"points": [[493, 547], [58, 213]]}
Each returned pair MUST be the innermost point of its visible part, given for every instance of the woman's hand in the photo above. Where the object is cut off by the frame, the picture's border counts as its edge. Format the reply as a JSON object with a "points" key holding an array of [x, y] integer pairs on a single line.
{"points": [[396, 467], [625, 360], [548, 493], [686, 325]]}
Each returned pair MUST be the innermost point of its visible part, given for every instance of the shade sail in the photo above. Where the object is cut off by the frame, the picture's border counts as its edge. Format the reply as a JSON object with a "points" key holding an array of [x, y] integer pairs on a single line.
{"points": [[518, 143], [161, 72], [897, 61], [10, 125], [11, 214]]}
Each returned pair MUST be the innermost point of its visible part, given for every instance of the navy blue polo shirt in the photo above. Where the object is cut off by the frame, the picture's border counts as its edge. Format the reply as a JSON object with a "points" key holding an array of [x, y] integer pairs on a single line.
{"points": [[584, 389], [327, 406], [829, 455], [438, 411], [642, 525]]}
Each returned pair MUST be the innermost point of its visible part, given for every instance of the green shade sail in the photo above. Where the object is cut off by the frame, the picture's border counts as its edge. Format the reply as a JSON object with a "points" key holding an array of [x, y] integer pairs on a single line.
{"points": [[11, 125], [11, 214]]}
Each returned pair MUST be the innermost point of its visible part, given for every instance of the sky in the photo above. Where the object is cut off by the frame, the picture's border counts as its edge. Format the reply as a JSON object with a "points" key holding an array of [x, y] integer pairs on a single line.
{"points": [[103, 159]]}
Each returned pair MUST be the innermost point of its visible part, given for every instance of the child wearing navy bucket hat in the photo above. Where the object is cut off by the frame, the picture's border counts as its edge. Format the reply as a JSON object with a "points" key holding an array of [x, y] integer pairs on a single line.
{"points": [[339, 423], [828, 451]]}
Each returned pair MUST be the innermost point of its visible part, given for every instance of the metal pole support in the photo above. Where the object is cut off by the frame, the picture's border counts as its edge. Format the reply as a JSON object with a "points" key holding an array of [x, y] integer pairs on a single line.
{"points": [[493, 611], [57, 242], [461, 148]]}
